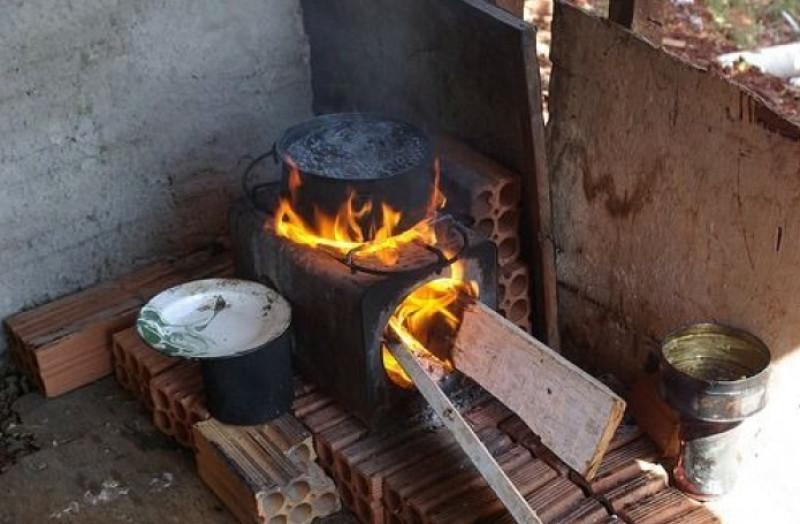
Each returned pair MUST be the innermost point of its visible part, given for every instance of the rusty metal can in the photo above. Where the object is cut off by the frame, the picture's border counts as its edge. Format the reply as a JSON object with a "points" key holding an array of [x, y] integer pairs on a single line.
{"points": [[715, 376]]}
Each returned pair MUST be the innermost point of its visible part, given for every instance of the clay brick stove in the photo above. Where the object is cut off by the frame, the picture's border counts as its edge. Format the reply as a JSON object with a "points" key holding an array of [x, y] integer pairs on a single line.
{"points": [[376, 181]]}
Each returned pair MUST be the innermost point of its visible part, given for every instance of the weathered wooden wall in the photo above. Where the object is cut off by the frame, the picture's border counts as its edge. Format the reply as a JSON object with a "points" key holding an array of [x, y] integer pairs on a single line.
{"points": [[460, 67], [676, 199]]}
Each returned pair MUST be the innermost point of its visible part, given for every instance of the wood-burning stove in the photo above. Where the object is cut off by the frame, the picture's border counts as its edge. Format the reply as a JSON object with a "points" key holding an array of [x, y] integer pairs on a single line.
{"points": [[342, 298]]}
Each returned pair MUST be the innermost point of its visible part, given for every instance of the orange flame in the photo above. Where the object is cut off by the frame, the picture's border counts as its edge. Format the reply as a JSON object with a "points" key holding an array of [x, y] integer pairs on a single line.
{"points": [[423, 314], [421, 320], [343, 232]]}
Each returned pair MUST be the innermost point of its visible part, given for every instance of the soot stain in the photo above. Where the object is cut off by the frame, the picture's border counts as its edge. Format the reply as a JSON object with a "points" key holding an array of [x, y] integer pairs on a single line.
{"points": [[603, 186]]}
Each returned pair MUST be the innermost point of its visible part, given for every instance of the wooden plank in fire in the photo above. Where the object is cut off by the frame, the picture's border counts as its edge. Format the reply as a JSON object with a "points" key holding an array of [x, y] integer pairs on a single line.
{"points": [[574, 414], [466, 438]]}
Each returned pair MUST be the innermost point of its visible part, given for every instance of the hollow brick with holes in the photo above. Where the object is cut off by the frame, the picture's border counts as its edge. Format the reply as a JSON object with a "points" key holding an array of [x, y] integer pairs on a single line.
{"points": [[666, 506], [253, 470], [437, 499], [624, 464], [140, 363], [638, 488]]}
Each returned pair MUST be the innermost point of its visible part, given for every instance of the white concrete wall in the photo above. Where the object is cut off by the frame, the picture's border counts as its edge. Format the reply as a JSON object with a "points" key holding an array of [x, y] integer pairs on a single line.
{"points": [[126, 125]]}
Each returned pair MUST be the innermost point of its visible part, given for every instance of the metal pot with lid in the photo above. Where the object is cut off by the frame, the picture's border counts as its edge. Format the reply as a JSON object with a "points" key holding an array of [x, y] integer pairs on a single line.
{"points": [[371, 161]]}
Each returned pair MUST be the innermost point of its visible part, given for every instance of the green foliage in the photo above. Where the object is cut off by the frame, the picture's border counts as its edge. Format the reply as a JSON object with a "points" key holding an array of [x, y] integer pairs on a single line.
{"points": [[743, 22]]}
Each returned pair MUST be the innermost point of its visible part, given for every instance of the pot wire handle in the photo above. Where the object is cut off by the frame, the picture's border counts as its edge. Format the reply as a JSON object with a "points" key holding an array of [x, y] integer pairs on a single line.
{"points": [[251, 189]]}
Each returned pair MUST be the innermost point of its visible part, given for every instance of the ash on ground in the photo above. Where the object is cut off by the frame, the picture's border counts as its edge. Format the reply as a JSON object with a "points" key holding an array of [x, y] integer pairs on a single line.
{"points": [[463, 393]]}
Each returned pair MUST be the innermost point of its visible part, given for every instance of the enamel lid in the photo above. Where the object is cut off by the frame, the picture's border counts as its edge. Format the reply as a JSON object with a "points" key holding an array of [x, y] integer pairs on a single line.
{"points": [[213, 318]]}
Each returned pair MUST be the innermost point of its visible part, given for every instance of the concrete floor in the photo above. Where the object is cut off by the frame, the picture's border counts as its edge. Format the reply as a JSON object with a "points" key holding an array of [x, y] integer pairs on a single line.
{"points": [[102, 461]]}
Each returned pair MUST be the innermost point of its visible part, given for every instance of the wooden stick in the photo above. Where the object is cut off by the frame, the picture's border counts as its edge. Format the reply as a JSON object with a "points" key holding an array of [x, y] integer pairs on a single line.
{"points": [[467, 439], [574, 414]]}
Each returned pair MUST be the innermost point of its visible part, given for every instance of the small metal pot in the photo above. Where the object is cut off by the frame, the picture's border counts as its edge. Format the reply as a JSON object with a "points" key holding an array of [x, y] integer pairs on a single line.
{"points": [[252, 388], [380, 160], [715, 377]]}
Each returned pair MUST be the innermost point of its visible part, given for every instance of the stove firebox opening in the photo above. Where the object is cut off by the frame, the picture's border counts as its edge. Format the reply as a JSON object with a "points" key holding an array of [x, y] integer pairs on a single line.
{"points": [[426, 321]]}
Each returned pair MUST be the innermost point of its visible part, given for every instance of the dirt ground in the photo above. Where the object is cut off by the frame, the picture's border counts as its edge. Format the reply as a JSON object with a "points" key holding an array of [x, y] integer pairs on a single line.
{"points": [[92, 456]]}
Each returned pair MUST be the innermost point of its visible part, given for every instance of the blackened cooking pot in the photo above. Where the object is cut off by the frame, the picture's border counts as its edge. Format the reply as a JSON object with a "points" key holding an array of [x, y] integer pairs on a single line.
{"points": [[373, 159]]}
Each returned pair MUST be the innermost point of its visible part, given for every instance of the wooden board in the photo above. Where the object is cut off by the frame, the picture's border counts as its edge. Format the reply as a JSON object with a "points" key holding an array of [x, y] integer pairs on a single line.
{"points": [[459, 67], [574, 415]]}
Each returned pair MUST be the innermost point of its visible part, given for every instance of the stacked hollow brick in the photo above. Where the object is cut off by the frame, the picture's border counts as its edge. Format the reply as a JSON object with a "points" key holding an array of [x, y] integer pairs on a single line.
{"points": [[421, 476], [177, 398], [418, 476], [68, 343], [136, 363], [169, 387], [264, 473], [488, 196]]}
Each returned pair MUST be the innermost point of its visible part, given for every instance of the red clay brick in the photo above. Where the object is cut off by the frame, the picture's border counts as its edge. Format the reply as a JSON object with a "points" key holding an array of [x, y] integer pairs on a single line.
{"points": [[550, 502], [141, 361], [522, 434], [406, 484], [588, 511], [392, 518], [701, 515], [327, 417], [444, 498], [411, 479], [469, 507], [555, 498], [346, 458], [624, 435], [664, 507], [309, 403], [67, 343], [623, 464], [335, 438], [489, 413], [636, 489], [369, 511], [370, 474], [483, 503]]}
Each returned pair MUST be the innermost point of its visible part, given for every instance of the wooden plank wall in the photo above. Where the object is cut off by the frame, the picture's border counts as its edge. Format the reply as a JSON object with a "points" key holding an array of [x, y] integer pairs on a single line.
{"points": [[676, 199], [458, 67]]}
